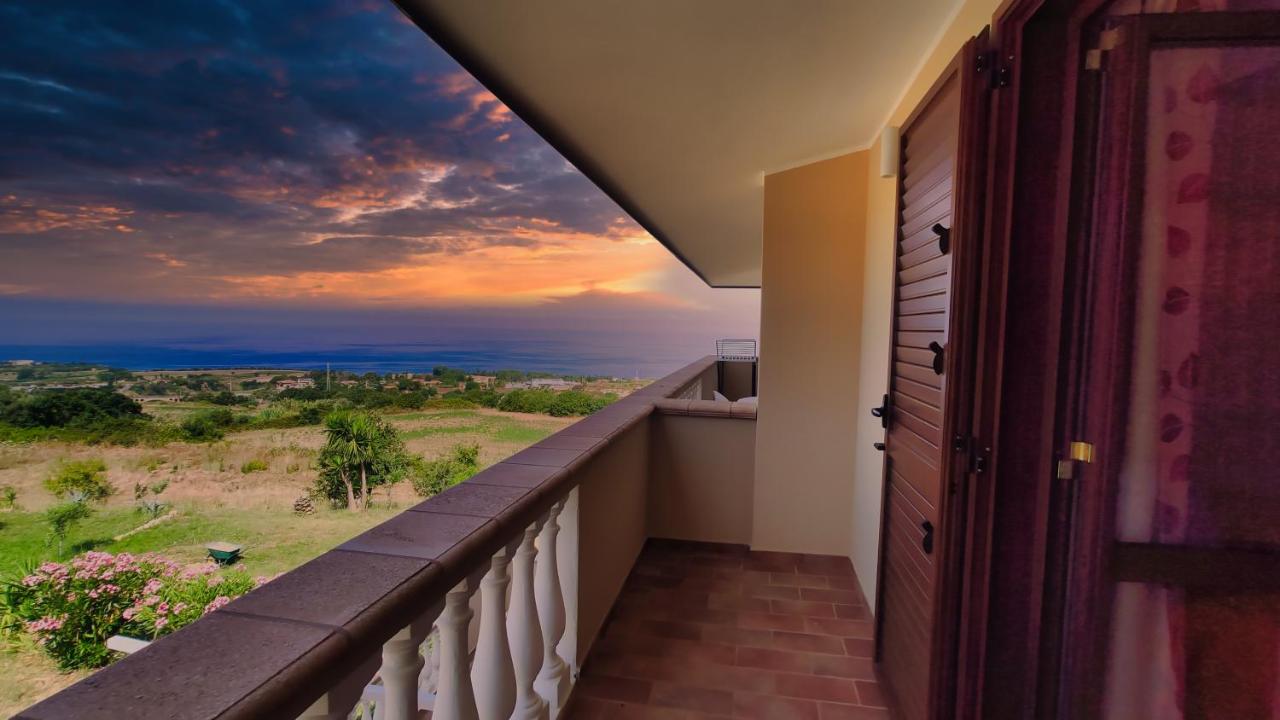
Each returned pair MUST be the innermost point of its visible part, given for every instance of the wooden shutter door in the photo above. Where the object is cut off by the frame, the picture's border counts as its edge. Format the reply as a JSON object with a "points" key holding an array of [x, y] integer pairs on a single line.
{"points": [[925, 416]]}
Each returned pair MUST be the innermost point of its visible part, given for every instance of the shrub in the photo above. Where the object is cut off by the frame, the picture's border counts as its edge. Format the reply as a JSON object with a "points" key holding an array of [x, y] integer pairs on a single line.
{"points": [[254, 465], [8, 498], [435, 476], [82, 479], [148, 497], [72, 608]]}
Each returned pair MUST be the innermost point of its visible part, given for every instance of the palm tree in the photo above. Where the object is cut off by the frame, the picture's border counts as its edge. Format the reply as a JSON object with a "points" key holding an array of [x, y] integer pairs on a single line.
{"points": [[354, 441]]}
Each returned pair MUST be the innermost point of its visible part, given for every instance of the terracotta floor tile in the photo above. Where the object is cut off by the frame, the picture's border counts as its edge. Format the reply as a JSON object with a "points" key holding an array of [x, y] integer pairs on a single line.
{"points": [[859, 647], [844, 666], [771, 621], [807, 642], [704, 631], [803, 608], [834, 711], [605, 687], [839, 628], [869, 694], [847, 597], [812, 687], [687, 697], [768, 659], [767, 707], [810, 581]]}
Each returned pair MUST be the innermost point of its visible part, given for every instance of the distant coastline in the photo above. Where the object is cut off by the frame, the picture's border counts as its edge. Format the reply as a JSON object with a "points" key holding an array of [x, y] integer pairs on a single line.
{"points": [[537, 357]]}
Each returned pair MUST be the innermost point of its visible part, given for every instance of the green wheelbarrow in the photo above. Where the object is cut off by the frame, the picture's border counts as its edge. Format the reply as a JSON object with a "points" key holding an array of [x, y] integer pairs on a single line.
{"points": [[224, 553]]}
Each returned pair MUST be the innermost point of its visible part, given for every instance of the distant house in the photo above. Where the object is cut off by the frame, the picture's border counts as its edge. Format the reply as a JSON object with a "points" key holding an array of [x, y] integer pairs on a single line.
{"points": [[551, 384], [484, 380], [22, 363], [296, 383]]}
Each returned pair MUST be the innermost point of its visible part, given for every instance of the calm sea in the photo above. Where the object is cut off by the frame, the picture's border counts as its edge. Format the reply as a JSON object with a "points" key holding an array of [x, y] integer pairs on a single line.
{"points": [[552, 357]]}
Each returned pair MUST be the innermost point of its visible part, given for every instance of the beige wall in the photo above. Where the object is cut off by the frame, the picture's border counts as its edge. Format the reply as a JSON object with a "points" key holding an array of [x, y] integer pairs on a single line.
{"points": [[877, 296], [612, 499], [737, 380], [700, 478], [811, 300]]}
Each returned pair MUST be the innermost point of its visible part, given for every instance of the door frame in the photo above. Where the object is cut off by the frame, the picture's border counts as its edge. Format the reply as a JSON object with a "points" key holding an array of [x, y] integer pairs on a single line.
{"points": [[1029, 374], [970, 69]]}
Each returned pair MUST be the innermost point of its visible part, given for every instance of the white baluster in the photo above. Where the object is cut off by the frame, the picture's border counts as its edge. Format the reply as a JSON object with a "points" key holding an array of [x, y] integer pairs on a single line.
{"points": [[526, 636], [492, 673], [567, 562], [401, 665], [455, 699], [553, 681]]}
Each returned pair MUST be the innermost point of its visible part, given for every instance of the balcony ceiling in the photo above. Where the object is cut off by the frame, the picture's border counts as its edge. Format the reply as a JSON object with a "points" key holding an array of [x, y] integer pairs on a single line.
{"points": [[678, 108]]}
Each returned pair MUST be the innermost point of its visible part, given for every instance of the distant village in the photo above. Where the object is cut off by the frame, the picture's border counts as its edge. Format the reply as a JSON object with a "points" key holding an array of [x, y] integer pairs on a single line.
{"points": [[175, 385]]}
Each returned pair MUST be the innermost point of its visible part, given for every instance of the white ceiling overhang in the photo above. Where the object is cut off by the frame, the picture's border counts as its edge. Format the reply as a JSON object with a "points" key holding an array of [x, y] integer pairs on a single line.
{"points": [[678, 108]]}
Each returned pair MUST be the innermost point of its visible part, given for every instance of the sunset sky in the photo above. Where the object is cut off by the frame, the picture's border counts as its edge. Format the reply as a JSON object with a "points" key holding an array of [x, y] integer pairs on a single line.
{"points": [[167, 161]]}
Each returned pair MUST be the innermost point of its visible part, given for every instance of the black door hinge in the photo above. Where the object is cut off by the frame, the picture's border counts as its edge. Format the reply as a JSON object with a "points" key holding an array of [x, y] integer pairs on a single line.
{"points": [[1004, 75], [980, 459]]}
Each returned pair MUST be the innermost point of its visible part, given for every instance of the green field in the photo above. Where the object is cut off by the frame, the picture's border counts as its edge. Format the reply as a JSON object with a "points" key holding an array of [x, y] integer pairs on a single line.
{"points": [[212, 500]]}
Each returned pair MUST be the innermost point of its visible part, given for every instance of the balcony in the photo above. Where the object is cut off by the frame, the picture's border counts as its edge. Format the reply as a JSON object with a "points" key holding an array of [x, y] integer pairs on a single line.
{"points": [[603, 572]]}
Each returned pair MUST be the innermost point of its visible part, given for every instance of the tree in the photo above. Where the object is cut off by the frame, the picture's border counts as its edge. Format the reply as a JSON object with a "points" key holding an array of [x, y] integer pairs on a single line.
{"points": [[78, 484], [83, 479], [62, 517], [359, 445]]}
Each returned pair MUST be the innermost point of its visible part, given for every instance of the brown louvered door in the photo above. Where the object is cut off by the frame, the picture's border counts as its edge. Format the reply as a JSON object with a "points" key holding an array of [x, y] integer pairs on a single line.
{"points": [[932, 319]]}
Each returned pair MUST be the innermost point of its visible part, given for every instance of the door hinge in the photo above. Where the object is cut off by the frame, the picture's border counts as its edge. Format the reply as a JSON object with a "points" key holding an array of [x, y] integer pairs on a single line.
{"points": [[1081, 451], [1107, 41], [1077, 452]]}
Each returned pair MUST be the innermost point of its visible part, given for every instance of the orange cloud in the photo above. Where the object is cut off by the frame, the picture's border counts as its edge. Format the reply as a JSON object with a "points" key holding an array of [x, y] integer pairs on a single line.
{"points": [[558, 265], [23, 216]]}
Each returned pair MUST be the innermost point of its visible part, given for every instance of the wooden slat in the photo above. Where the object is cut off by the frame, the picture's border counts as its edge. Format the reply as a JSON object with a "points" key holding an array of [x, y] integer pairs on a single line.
{"points": [[923, 287], [927, 215], [923, 393], [936, 266], [920, 183], [914, 469], [933, 321], [926, 304], [923, 235], [922, 375], [920, 339], [927, 431], [924, 253], [922, 410], [916, 356], [938, 195]]}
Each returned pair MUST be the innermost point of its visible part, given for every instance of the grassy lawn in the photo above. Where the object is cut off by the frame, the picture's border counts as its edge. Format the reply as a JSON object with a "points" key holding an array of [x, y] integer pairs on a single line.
{"points": [[274, 540], [214, 501]]}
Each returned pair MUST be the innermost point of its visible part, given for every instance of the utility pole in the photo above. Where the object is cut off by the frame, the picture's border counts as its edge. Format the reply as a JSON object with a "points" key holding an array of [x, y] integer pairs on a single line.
{"points": [[328, 384]]}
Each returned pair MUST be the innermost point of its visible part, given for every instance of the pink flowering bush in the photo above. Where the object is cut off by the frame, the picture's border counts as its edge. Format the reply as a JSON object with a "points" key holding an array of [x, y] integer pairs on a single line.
{"points": [[72, 608]]}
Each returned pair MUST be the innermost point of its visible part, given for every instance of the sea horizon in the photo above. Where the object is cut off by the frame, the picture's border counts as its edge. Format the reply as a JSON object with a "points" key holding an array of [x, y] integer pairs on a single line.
{"points": [[381, 359]]}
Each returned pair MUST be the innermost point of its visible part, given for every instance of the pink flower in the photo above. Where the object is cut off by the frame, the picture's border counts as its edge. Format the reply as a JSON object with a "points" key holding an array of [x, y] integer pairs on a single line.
{"points": [[162, 608], [217, 603], [32, 580], [161, 622], [179, 608], [130, 613], [214, 580]]}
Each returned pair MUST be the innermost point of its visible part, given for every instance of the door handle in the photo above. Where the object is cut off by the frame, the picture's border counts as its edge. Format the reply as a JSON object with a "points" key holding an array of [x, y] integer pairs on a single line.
{"points": [[944, 238], [926, 542], [879, 446], [882, 412], [939, 357]]}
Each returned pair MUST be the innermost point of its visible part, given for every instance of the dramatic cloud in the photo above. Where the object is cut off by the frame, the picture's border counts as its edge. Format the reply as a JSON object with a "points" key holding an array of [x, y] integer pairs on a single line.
{"points": [[317, 154]]}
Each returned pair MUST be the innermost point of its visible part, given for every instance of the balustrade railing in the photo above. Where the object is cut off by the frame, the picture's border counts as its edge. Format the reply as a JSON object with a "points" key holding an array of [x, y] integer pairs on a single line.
{"points": [[463, 605]]}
